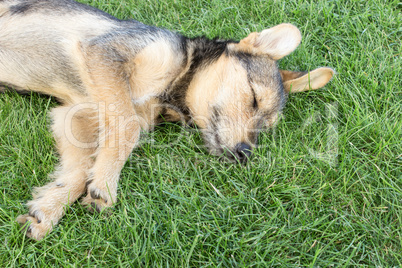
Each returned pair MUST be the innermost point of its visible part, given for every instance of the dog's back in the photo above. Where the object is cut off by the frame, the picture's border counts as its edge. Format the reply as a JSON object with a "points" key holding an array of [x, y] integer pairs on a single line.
{"points": [[40, 53]]}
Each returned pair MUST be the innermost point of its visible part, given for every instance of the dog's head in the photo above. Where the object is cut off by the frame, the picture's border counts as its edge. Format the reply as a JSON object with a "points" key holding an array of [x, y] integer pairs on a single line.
{"points": [[243, 91]]}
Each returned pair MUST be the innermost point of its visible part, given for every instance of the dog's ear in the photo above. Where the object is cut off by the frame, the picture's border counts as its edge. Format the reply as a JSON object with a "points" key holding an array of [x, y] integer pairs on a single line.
{"points": [[277, 42], [303, 81]]}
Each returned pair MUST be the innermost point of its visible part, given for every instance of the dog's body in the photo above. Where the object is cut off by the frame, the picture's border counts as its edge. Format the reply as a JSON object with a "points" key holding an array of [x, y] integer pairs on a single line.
{"points": [[115, 78]]}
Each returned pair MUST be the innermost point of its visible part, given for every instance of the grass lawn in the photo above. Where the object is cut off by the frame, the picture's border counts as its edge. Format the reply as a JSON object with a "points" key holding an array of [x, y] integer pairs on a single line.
{"points": [[324, 188]]}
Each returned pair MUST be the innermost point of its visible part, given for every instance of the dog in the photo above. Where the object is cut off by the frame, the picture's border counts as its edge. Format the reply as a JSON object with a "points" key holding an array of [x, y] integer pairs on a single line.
{"points": [[115, 78]]}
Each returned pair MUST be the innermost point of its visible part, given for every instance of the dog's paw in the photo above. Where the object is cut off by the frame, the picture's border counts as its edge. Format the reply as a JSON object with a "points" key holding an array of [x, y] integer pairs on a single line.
{"points": [[33, 227], [95, 205], [97, 200]]}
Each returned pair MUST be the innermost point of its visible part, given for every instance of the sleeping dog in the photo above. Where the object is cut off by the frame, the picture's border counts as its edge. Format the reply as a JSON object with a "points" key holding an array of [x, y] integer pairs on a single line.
{"points": [[116, 78]]}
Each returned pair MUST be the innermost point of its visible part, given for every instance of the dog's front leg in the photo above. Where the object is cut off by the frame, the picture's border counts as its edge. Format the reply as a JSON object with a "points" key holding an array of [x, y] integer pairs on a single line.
{"points": [[108, 85], [119, 133]]}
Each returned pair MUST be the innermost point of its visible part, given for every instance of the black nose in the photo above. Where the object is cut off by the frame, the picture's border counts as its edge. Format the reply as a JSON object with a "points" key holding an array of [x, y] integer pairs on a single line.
{"points": [[242, 151]]}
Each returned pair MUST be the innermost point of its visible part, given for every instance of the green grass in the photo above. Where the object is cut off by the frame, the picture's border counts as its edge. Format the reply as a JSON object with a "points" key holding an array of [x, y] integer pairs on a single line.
{"points": [[324, 189]]}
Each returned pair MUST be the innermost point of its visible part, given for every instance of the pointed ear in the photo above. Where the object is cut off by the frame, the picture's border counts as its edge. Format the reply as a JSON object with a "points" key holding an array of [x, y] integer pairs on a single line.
{"points": [[277, 42], [303, 81]]}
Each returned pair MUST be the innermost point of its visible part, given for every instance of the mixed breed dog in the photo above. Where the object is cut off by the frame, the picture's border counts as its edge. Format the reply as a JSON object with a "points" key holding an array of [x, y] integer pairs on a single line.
{"points": [[116, 78]]}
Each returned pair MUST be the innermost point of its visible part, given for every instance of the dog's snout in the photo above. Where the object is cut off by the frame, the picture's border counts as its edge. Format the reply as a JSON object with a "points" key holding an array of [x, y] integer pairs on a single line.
{"points": [[242, 151]]}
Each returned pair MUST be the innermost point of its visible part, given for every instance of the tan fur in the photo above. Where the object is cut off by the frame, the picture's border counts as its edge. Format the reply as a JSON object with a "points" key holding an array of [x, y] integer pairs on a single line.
{"points": [[277, 42], [114, 82], [51, 200], [225, 79], [298, 82], [205, 86], [15, 74], [153, 70]]}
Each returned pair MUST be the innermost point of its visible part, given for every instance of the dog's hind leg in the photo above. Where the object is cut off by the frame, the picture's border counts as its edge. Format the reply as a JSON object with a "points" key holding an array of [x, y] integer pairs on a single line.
{"points": [[75, 131]]}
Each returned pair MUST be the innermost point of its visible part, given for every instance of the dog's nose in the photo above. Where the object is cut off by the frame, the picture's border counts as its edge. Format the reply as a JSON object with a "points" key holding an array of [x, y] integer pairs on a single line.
{"points": [[243, 151]]}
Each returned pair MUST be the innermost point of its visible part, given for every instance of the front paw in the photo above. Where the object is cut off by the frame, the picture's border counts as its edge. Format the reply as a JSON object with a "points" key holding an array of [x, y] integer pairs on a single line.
{"points": [[97, 199], [33, 227]]}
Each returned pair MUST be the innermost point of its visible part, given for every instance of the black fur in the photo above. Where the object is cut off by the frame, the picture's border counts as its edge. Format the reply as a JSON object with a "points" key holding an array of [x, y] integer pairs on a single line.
{"points": [[88, 182], [205, 52], [94, 195]]}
